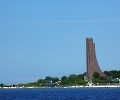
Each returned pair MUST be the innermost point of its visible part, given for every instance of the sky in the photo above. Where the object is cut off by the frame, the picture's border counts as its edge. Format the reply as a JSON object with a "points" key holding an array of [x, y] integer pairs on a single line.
{"points": [[40, 38]]}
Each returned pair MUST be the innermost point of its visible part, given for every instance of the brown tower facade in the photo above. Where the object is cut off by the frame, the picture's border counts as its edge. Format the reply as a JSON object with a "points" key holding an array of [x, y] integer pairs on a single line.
{"points": [[92, 64]]}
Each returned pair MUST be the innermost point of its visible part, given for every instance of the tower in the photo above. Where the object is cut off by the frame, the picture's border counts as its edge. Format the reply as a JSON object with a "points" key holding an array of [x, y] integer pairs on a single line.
{"points": [[91, 60]]}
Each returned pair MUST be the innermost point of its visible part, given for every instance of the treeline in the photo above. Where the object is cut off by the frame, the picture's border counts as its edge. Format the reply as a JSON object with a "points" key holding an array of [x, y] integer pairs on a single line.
{"points": [[113, 73], [2, 85], [112, 77], [72, 79]]}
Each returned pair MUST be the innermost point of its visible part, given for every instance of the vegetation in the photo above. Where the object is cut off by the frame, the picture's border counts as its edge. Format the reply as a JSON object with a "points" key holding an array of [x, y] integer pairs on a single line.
{"points": [[96, 75], [2, 85], [72, 80], [64, 81], [113, 73]]}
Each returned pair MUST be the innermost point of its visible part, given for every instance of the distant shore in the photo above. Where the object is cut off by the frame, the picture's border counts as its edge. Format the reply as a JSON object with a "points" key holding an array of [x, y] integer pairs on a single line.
{"points": [[92, 86]]}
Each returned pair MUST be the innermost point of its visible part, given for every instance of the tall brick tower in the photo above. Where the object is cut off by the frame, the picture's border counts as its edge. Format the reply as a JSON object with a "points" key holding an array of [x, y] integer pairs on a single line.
{"points": [[92, 64]]}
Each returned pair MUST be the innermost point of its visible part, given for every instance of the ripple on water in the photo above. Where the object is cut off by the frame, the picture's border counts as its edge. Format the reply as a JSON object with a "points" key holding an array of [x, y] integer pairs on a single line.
{"points": [[61, 94]]}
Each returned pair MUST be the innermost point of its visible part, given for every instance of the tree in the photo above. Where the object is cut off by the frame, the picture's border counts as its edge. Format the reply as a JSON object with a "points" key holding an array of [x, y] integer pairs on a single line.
{"points": [[64, 80], [2, 85], [108, 73], [55, 79], [113, 73], [48, 79], [72, 79], [96, 75], [81, 76], [40, 81]]}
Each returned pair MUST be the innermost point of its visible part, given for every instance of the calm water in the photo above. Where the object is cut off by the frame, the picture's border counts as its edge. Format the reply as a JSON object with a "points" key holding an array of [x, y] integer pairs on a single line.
{"points": [[61, 94]]}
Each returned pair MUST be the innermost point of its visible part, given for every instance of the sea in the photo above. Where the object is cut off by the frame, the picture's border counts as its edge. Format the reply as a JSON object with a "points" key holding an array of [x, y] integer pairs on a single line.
{"points": [[60, 94]]}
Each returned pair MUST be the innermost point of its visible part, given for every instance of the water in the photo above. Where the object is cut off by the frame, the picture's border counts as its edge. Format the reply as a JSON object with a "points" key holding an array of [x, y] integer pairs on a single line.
{"points": [[61, 94]]}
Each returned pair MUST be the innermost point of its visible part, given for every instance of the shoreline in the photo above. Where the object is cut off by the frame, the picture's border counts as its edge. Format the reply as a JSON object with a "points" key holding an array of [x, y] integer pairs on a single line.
{"points": [[91, 86]]}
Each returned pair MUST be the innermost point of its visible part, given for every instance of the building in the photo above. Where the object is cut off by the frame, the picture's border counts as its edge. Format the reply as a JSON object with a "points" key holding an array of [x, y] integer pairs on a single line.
{"points": [[91, 60]]}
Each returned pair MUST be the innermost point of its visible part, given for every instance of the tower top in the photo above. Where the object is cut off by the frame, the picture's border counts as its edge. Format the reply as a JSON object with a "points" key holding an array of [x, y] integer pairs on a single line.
{"points": [[89, 40]]}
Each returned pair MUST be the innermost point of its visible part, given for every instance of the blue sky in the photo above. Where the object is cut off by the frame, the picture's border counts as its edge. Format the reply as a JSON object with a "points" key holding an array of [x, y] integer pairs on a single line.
{"points": [[40, 38]]}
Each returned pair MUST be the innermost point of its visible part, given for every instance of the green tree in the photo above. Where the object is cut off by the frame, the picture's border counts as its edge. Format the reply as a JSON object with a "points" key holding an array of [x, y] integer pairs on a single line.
{"points": [[72, 79], [48, 78], [40, 81], [108, 73], [113, 73], [64, 80], [81, 76], [2, 85], [55, 79], [96, 75]]}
